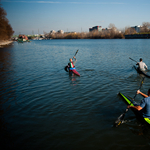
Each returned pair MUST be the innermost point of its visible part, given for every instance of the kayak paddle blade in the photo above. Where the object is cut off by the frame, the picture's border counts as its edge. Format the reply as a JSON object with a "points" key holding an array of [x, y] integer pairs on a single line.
{"points": [[119, 120]]}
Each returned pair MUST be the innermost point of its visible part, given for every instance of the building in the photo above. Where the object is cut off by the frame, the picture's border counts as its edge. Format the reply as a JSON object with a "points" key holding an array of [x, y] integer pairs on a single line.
{"points": [[137, 28], [60, 31], [96, 28], [52, 32]]}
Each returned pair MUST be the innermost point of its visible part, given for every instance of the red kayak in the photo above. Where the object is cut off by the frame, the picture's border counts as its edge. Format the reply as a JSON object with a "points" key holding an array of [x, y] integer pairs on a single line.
{"points": [[72, 70]]}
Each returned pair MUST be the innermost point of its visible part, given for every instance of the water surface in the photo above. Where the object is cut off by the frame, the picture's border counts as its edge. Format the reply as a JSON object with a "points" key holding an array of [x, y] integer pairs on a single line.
{"points": [[43, 107]]}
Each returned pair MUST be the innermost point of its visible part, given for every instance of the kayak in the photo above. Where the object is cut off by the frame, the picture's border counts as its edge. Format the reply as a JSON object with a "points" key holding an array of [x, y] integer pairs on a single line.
{"points": [[20, 40], [71, 70], [141, 72], [137, 113]]}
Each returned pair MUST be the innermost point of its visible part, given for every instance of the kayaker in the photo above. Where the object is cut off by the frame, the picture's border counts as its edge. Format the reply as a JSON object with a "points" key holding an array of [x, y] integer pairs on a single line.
{"points": [[141, 65], [144, 106], [71, 64]]}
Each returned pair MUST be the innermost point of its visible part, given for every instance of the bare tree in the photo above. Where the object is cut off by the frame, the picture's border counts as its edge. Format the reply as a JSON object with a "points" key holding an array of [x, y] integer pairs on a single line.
{"points": [[129, 30], [145, 26], [112, 27]]}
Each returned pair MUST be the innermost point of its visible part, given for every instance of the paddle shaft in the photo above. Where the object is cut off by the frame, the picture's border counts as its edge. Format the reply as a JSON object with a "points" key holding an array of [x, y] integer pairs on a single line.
{"points": [[139, 88], [136, 93], [133, 59], [75, 53]]}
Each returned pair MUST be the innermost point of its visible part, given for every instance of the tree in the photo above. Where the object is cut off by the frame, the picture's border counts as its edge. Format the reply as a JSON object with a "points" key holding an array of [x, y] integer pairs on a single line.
{"points": [[129, 30], [112, 30], [112, 27], [6, 30], [145, 26]]}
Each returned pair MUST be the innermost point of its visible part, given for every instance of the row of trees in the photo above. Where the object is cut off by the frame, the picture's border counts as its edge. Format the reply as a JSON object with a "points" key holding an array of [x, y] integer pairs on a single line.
{"points": [[6, 30], [90, 35]]}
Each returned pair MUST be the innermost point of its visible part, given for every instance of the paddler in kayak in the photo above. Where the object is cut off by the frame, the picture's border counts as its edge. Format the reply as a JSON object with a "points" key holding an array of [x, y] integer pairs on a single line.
{"points": [[144, 106], [71, 67], [71, 64], [141, 65]]}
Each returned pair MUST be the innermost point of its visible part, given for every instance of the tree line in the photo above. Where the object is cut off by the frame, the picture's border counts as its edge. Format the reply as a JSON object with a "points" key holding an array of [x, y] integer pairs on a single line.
{"points": [[89, 35], [6, 30]]}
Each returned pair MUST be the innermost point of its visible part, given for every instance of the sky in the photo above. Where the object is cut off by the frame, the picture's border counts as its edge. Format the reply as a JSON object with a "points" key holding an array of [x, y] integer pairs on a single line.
{"points": [[37, 16]]}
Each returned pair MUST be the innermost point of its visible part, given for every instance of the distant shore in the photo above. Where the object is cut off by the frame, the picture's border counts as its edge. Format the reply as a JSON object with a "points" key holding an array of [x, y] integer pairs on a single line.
{"points": [[5, 43]]}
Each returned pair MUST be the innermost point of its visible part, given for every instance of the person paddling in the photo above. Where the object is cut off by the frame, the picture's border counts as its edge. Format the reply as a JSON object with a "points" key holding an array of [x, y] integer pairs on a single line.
{"points": [[71, 64], [141, 65], [144, 107]]}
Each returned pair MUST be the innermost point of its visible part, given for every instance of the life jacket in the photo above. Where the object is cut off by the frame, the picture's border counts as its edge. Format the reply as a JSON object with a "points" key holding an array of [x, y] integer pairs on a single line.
{"points": [[71, 65]]}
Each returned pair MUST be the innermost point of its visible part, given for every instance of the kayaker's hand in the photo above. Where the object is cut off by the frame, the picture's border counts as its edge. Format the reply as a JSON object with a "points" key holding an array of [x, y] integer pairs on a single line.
{"points": [[128, 106], [138, 91], [74, 57]]}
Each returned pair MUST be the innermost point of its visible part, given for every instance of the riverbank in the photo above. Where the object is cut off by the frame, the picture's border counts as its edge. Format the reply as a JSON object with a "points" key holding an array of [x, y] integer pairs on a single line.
{"points": [[137, 36], [5, 43]]}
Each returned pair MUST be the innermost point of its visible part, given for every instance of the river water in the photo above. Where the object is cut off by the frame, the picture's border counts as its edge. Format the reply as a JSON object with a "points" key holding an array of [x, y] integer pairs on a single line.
{"points": [[43, 107]]}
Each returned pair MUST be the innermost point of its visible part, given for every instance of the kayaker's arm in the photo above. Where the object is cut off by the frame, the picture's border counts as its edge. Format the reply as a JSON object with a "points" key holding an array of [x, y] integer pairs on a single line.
{"points": [[146, 67], [135, 107], [74, 61], [139, 92]]}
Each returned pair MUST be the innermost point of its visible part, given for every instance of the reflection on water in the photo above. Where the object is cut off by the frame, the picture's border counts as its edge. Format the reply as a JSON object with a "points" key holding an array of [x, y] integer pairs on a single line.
{"points": [[139, 129], [43, 107], [6, 94]]}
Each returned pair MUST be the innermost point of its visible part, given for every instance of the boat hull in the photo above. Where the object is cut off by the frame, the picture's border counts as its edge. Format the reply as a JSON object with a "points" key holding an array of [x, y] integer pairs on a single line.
{"points": [[75, 72], [141, 72], [136, 112], [72, 70], [20, 40]]}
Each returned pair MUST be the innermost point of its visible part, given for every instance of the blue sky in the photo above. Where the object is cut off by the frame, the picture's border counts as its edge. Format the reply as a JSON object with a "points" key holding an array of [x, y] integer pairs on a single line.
{"points": [[31, 16]]}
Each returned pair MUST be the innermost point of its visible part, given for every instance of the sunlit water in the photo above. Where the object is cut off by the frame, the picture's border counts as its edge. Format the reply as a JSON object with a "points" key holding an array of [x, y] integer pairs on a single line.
{"points": [[43, 107]]}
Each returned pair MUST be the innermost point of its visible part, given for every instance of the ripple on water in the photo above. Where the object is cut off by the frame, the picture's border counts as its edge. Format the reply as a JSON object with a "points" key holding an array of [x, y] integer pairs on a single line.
{"points": [[46, 108]]}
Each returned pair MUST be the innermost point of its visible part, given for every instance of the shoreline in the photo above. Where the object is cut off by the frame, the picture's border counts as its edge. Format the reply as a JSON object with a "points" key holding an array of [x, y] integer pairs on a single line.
{"points": [[5, 43]]}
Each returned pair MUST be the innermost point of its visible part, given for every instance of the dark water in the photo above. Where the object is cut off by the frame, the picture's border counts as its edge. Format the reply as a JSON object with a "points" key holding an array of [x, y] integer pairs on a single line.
{"points": [[42, 107]]}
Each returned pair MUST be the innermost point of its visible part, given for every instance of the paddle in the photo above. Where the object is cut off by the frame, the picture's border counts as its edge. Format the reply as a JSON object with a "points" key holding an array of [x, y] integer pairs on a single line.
{"points": [[121, 117], [75, 53], [66, 67], [133, 59]]}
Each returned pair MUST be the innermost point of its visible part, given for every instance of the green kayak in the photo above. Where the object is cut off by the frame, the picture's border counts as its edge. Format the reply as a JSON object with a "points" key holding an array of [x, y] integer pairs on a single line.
{"points": [[137, 113]]}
